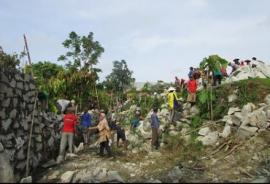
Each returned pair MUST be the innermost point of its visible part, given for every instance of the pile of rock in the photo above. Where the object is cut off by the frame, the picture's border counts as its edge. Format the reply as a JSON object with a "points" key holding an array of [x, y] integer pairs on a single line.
{"points": [[99, 175], [261, 71], [248, 121], [17, 96]]}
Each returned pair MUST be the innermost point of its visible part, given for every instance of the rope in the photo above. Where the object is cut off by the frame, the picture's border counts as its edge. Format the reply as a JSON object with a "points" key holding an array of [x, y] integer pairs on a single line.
{"points": [[30, 137]]}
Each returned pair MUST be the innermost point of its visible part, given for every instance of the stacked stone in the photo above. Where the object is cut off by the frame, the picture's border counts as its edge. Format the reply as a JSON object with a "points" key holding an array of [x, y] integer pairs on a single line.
{"points": [[17, 97]]}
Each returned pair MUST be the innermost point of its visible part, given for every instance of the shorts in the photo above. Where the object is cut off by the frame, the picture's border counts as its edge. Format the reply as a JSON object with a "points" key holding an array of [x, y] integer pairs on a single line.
{"points": [[191, 97]]}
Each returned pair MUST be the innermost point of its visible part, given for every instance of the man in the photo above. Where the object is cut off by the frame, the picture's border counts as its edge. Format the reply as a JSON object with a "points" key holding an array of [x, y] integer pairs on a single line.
{"points": [[192, 88], [190, 74], [68, 131], [62, 105], [104, 135], [74, 106], [135, 122], [120, 132], [177, 81], [172, 103], [86, 122], [155, 123], [217, 77]]}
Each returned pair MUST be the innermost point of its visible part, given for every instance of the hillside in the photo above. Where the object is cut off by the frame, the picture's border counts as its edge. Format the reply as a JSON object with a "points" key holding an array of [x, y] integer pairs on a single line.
{"points": [[234, 147]]}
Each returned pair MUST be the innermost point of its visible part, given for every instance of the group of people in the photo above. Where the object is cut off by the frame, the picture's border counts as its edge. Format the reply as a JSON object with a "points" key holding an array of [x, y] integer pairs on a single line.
{"points": [[106, 130], [95, 122], [90, 124]]}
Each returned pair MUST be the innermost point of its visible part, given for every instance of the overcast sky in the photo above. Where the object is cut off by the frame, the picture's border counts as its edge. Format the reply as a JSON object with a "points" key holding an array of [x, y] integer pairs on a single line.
{"points": [[159, 39]]}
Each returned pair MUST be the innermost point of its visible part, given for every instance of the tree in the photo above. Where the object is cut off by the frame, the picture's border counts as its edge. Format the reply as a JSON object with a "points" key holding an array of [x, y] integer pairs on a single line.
{"points": [[120, 78], [83, 52], [9, 61], [212, 63], [44, 71]]}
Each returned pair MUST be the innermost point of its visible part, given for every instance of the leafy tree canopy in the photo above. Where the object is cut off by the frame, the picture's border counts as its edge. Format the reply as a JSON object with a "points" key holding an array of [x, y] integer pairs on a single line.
{"points": [[120, 79], [11, 61], [83, 52], [213, 63]]}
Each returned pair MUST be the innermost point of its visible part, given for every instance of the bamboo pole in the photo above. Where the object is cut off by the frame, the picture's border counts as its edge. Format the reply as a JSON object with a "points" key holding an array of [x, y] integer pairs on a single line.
{"points": [[211, 100], [30, 137], [28, 54]]}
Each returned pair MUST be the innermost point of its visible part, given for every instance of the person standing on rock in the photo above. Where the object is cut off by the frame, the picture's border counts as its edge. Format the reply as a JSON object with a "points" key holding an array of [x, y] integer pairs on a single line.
{"points": [[135, 122], [155, 123], [68, 131], [192, 89], [104, 135], [191, 70], [172, 103], [86, 122]]}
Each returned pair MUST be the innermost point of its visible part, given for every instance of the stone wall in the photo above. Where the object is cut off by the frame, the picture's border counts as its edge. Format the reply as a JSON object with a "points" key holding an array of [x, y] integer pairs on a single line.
{"points": [[17, 97]]}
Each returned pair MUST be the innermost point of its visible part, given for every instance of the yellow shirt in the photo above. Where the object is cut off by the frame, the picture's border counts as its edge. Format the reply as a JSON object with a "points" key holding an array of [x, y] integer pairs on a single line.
{"points": [[170, 98]]}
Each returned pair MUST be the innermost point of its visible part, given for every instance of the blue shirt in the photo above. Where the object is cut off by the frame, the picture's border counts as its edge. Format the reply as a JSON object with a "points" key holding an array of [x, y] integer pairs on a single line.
{"points": [[154, 121], [86, 120]]}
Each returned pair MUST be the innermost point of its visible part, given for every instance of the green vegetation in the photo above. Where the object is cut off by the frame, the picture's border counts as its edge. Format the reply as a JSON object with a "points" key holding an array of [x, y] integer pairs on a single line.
{"points": [[9, 61], [251, 90]]}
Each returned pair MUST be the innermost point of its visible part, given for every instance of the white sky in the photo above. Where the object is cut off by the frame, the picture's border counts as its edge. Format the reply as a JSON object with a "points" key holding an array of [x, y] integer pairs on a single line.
{"points": [[159, 39]]}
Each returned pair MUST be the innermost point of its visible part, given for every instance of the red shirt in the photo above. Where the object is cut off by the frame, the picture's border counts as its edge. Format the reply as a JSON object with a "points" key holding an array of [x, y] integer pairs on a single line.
{"points": [[192, 86], [70, 120]]}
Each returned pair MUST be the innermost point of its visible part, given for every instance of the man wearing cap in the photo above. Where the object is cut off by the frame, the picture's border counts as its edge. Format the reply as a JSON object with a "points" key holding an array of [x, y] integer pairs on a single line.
{"points": [[172, 102]]}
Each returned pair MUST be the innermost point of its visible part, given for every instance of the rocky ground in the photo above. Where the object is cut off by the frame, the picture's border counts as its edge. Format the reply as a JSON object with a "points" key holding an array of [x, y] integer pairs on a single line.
{"points": [[231, 160]]}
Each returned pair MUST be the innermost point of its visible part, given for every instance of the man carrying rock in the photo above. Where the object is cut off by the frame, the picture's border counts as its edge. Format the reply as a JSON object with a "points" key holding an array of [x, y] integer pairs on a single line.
{"points": [[155, 123]]}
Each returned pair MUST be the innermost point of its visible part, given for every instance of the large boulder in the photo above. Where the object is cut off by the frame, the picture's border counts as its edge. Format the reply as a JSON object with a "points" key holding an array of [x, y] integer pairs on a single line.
{"points": [[226, 131], [267, 99], [246, 131], [176, 175], [204, 131], [248, 108], [67, 176], [194, 111], [113, 176], [232, 97], [210, 139], [233, 110]]}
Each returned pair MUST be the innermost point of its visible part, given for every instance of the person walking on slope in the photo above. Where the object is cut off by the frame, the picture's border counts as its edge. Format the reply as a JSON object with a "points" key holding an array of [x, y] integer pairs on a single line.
{"points": [[104, 135], [172, 103], [155, 123], [217, 77], [192, 89], [68, 131], [86, 122]]}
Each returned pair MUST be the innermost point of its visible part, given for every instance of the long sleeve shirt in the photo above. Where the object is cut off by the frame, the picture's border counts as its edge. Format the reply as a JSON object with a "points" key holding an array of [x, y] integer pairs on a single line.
{"points": [[155, 121], [86, 120]]}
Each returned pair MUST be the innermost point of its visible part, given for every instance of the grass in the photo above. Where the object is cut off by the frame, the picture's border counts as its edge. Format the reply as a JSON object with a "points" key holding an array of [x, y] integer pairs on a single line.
{"points": [[250, 90]]}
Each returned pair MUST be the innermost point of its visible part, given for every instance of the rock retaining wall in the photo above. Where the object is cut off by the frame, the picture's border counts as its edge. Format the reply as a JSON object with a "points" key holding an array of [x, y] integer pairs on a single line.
{"points": [[17, 97]]}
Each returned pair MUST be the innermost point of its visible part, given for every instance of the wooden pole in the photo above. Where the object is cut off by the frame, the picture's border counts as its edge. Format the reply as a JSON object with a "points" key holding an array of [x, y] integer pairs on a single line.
{"points": [[30, 137], [28, 53], [211, 102]]}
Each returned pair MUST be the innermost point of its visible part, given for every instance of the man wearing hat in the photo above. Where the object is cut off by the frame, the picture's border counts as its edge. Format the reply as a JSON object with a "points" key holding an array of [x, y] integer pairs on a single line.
{"points": [[172, 103]]}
